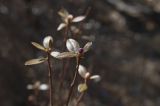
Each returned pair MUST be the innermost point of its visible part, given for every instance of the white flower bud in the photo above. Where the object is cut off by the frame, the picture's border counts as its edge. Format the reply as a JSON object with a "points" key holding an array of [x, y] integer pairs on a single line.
{"points": [[47, 42], [87, 75]]}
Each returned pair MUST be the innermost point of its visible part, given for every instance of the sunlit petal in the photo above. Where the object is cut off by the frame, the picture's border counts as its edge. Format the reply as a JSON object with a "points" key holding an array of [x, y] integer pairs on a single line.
{"points": [[72, 45], [82, 71], [61, 26], [96, 78], [78, 19], [87, 46]]}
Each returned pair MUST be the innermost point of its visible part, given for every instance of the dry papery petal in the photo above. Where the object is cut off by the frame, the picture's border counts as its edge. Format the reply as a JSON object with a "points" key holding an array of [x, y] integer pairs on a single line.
{"points": [[78, 19], [66, 55], [96, 78], [72, 45], [47, 42], [35, 61], [82, 71], [61, 26], [63, 13], [38, 46], [87, 46], [82, 87]]}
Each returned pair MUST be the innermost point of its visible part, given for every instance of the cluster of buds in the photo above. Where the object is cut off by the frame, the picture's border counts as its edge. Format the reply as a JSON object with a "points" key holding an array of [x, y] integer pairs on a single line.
{"points": [[86, 76], [68, 18]]}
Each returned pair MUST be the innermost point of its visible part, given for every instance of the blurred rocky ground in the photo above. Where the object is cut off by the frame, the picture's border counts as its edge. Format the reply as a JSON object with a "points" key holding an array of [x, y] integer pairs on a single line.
{"points": [[125, 52]]}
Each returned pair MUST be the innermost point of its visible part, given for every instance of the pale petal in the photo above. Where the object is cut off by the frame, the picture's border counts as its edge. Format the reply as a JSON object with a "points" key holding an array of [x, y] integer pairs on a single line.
{"points": [[82, 71], [61, 26], [78, 19], [38, 46], [55, 53], [72, 45], [96, 78], [82, 87], [66, 55], [43, 87], [48, 41], [63, 13], [35, 61], [87, 46]]}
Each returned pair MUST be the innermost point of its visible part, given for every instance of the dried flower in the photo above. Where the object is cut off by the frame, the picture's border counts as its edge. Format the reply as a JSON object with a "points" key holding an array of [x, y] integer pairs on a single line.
{"points": [[47, 46], [68, 18], [86, 76], [73, 48]]}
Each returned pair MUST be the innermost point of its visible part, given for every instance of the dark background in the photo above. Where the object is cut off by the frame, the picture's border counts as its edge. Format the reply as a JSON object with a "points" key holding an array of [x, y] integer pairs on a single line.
{"points": [[125, 52]]}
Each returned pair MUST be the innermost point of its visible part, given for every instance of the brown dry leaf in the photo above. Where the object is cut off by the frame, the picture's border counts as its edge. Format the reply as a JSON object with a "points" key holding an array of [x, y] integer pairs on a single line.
{"points": [[38, 46], [35, 61]]}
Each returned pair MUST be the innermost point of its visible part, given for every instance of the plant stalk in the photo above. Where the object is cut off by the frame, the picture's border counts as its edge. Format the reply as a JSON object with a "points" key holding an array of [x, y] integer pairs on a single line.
{"points": [[50, 73], [65, 63], [80, 98], [73, 81]]}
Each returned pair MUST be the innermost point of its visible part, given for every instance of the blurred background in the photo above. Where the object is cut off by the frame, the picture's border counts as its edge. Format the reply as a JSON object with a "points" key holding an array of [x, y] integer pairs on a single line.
{"points": [[125, 52]]}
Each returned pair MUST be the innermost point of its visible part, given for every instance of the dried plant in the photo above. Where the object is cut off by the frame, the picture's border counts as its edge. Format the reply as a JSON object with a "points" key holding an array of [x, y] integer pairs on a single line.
{"points": [[47, 47], [82, 87], [67, 20], [74, 51]]}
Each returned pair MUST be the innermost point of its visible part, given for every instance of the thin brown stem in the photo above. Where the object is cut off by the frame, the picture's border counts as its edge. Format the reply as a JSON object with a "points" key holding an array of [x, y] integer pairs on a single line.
{"points": [[80, 98], [64, 64], [50, 73], [73, 81]]}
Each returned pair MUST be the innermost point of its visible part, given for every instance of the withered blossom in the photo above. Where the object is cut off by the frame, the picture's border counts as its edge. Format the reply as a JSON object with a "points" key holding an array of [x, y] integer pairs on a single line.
{"points": [[74, 50], [68, 18]]}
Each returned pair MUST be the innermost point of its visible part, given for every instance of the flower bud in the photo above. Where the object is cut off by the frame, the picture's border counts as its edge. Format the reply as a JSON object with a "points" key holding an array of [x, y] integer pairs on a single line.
{"points": [[87, 75], [80, 50], [47, 42], [82, 71]]}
